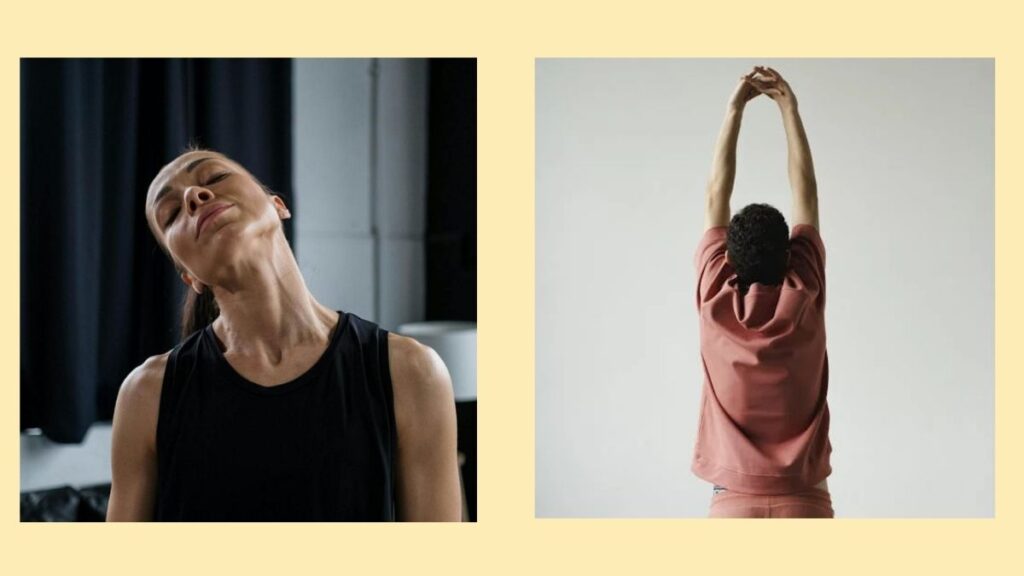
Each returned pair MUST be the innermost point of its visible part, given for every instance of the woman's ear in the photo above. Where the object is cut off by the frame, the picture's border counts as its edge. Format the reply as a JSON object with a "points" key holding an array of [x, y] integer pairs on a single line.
{"points": [[192, 283], [282, 210]]}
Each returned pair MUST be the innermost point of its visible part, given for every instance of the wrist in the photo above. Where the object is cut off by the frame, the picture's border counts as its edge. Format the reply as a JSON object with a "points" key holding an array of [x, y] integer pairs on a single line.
{"points": [[788, 106]]}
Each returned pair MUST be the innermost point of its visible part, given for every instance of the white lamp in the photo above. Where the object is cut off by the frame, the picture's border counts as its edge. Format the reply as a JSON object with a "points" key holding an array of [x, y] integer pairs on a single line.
{"points": [[455, 343]]}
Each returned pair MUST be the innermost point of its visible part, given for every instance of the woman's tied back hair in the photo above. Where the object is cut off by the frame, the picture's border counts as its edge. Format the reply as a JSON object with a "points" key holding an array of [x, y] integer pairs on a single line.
{"points": [[758, 245]]}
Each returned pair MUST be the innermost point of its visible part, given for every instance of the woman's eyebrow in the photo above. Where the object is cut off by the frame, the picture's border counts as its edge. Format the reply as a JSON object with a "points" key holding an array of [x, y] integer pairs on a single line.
{"points": [[192, 165]]}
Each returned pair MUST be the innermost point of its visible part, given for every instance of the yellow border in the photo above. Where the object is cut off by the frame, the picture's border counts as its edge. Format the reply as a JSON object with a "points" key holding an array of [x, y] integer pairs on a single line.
{"points": [[506, 38]]}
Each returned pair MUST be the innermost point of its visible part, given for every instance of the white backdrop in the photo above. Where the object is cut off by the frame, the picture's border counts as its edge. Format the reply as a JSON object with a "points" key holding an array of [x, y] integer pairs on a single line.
{"points": [[903, 151]]}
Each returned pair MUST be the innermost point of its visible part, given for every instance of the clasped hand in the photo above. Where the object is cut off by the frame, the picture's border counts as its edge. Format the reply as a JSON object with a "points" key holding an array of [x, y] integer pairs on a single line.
{"points": [[762, 80]]}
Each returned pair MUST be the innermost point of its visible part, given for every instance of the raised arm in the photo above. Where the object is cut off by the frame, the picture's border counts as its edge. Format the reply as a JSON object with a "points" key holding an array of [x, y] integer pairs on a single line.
{"points": [[801, 167], [723, 167]]}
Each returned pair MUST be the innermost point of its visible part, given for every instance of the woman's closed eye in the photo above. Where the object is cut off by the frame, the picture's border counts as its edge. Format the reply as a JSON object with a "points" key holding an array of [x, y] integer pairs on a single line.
{"points": [[217, 178], [173, 216]]}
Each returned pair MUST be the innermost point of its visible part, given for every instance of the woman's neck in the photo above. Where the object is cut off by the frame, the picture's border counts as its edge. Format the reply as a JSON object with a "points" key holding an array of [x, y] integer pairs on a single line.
{"points": [[265, 306]]}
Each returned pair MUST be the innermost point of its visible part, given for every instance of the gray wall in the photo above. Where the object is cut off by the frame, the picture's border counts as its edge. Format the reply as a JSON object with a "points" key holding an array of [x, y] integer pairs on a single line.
{"points": [[360, 190], [360, 184], [904, 156]]}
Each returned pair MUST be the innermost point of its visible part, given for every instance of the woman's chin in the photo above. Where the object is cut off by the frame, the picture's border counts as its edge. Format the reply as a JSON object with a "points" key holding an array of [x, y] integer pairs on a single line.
{"points": [[230, 246]]}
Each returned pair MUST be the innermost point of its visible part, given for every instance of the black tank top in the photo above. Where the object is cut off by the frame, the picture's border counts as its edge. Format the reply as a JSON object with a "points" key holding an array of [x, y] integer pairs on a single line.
{"points": [[318, 448]]}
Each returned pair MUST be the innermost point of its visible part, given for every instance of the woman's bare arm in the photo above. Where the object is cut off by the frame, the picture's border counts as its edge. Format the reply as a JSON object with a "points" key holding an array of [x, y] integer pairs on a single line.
{"points": [[428, 469], [133, 450]]}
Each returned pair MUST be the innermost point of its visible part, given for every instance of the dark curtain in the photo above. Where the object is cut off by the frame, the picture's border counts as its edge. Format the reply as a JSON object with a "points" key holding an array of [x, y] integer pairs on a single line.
{"points": [[97, 294], [451, 191]]}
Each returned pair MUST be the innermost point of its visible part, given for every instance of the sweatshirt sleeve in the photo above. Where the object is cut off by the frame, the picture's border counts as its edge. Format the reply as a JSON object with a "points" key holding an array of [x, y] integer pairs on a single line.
{"points": [[710, 256]]}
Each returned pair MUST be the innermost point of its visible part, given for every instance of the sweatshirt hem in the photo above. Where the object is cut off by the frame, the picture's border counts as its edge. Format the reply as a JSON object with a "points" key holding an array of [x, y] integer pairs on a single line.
{"points": [[750, 483]]}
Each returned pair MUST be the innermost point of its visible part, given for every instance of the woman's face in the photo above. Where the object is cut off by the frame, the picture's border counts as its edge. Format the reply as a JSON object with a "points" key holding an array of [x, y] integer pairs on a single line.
{"points": [[210, 214]]}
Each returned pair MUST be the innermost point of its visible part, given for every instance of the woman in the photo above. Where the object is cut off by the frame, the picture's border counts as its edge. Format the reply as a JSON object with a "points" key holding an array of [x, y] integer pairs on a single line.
{"points": [[763, 437], [273, 406]]}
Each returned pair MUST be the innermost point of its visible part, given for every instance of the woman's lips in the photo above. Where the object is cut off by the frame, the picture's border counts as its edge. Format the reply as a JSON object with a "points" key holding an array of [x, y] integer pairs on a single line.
{"points": [[209, 217]]}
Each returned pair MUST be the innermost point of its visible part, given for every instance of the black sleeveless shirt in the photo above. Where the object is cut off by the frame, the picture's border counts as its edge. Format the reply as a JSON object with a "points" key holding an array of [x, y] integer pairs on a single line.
{"points": [[318, 448]]}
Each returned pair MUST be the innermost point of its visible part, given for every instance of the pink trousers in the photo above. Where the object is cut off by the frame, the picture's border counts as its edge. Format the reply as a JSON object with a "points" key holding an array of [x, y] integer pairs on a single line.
{"points": [[808, 503]]}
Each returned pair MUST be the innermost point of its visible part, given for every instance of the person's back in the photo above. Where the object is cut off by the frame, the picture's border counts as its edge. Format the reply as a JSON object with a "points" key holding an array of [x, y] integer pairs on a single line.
{"points": [[762, 435], [764, 416]]}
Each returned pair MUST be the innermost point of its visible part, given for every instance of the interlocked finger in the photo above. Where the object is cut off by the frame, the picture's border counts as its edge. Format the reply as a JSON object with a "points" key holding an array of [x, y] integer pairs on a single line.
{"points": [[761, 84], [768, 72]]}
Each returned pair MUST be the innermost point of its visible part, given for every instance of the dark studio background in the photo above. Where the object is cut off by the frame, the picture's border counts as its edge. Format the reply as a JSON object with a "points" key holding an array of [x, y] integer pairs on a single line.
{"points": [[451, 221], [97, 294]]}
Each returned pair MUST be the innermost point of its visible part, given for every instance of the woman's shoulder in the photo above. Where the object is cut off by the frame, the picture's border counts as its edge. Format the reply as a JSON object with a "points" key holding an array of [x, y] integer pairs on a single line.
{"points": [[416, 364], [420, 380], [147, 378], [138, 404]]}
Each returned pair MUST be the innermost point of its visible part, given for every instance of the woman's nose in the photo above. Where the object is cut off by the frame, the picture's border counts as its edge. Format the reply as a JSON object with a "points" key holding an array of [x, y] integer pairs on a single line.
{"points": [[195, 197]]}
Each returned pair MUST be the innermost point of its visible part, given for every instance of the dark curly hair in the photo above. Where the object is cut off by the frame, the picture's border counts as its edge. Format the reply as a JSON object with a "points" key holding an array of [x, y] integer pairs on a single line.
{"points": [[758, 245]]}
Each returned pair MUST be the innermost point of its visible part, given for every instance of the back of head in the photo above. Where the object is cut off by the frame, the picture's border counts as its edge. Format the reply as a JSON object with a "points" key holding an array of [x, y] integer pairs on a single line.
{"points": [[758, 245]]}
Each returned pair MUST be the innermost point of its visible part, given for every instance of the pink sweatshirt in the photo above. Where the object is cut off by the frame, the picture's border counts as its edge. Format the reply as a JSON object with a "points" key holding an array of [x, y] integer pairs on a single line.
{"points": [[764, 417]]}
